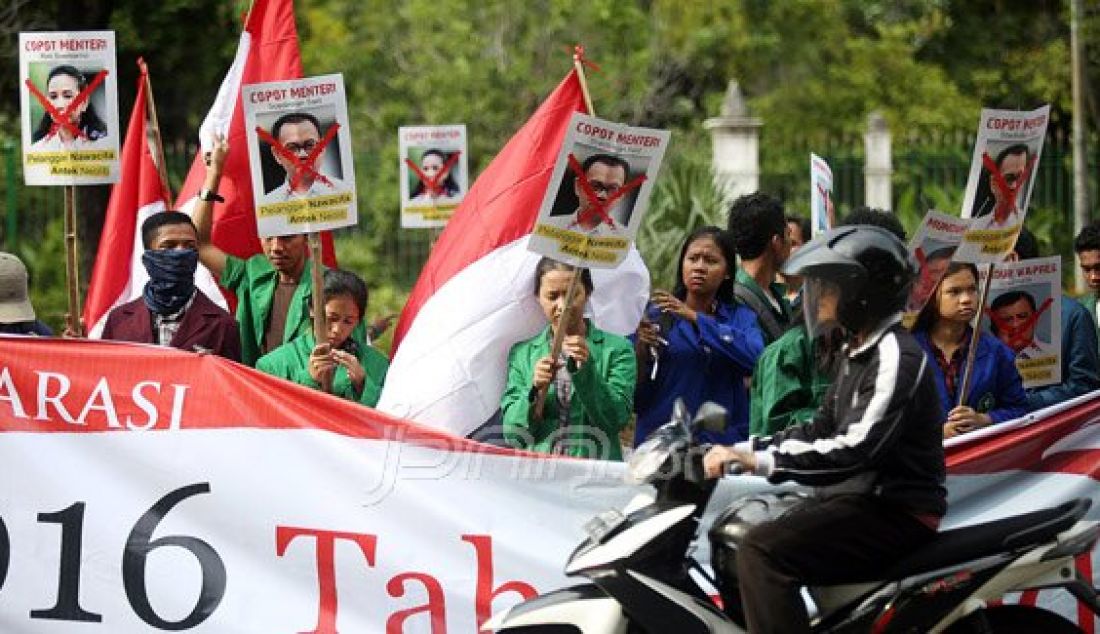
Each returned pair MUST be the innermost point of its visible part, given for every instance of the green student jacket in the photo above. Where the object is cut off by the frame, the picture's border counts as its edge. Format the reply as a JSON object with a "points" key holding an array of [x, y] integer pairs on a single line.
{"points": [[254, 280], [603, 394], [290, 361], [786, 386]]}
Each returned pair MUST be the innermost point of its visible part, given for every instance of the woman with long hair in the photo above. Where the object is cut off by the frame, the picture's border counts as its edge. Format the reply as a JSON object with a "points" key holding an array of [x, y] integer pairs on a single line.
{"points": [[996, 392], [696, 342]]}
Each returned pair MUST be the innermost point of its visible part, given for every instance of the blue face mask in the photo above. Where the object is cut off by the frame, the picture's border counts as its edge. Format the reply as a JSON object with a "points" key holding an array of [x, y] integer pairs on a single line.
{"points": [[171, 279]]}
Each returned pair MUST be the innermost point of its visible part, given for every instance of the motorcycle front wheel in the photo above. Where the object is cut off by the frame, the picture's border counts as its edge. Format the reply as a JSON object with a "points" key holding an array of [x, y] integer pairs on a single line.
{"points": [[1014, 619]]}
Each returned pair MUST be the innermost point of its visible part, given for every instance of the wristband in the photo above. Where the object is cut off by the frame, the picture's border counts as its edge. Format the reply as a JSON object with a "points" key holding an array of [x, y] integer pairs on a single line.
{"points": [[210, 196]]}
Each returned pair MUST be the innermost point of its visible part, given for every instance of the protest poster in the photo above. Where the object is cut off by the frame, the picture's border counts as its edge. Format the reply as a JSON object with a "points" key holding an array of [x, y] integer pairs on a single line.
{"points": [[69, 101], [1002, 175], [933, 246], [434, 173], [822, 212], [299, 153], [1024, 311], [598, 192]]}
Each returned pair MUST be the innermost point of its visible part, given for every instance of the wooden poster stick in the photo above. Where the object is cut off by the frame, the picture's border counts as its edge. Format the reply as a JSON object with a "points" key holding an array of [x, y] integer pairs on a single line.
{"points": [[318, 279], [971, 354], [567, 315], [158, 142], [72, 275]]}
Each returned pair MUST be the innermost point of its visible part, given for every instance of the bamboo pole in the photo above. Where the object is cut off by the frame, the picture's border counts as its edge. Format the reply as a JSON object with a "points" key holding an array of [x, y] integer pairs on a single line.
{"points": [[158, 142], [72, 274], [567, 315], [971, 354], [318, 283]]}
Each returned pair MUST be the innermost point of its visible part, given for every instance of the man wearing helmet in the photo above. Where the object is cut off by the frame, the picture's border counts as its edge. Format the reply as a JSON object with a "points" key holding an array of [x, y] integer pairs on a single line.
{"points": [[874, 449]]}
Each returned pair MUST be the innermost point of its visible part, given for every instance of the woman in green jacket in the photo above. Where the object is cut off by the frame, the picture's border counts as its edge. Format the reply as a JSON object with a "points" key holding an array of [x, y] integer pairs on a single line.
{"points": [[357, 370], [590, 386]]}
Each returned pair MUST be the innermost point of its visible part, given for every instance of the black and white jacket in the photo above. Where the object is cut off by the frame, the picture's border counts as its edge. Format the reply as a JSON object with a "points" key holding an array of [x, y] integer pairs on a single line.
{"points": [[878, 431]]}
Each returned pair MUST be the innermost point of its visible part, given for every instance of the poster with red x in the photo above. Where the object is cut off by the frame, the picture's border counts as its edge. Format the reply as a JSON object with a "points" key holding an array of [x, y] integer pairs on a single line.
{"points": [[598, 192], [1024, 310], [433, 173], [299, 152], [933, 246], [69, 102], [1002, 175]]}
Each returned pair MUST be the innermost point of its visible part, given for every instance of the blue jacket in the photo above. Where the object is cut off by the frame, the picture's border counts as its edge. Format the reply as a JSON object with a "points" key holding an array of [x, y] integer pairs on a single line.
{"points": [[995, 385], [708, 361], [1080, 361]]}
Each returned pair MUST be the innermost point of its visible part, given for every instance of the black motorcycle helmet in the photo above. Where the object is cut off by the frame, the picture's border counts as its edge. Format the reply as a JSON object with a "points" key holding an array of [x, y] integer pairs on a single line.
{"points": [[858, 275]]}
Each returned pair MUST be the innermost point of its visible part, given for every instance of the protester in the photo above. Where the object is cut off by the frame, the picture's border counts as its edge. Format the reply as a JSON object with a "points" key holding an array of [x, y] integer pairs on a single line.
{"points": [[299, 133], [16, 313], [171, 311], [873, 452], [64, 85], [1087, 247], [590, 386], [696, 343], [996, 392], [273, 290], [795, 371], [431, 164], [799, 230], [1080, 359], [606, 174], [355, 370], [759, 231]]}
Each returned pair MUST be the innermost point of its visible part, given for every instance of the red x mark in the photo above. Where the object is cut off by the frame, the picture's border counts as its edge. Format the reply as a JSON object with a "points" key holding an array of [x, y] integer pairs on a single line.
{"points": [[1008, 192], [61, 118], [302, 167], [1015, 337], [596, 206], [432, 184]]}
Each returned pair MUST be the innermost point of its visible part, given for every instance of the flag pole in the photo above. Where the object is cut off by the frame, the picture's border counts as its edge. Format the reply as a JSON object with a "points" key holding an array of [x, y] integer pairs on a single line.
{"points": [[72, 275], [971, 354], [318, 283], [567, 314], [158, 142]]}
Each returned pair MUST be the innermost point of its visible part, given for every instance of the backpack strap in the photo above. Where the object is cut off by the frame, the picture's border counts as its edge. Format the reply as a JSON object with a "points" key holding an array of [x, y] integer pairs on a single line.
{"points": [[764, 315]]}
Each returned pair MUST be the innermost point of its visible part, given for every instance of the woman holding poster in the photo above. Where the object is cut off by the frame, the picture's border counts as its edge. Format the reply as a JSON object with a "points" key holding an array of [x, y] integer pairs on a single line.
{"points": [[63, 86], [590, 387], [697, 343], [996, 393]]}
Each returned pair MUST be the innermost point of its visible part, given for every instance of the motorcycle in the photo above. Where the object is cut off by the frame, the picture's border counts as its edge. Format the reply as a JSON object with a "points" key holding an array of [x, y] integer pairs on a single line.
{"points": [[640, 570]]}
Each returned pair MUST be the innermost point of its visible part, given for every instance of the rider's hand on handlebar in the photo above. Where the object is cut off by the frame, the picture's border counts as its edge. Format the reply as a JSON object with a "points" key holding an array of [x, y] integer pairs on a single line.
{"points": [[720, 458]]}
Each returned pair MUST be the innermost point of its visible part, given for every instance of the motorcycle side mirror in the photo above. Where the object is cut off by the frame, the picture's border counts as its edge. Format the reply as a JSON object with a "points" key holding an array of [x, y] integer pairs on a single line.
{"points": [[679, 411], [710, 417]]}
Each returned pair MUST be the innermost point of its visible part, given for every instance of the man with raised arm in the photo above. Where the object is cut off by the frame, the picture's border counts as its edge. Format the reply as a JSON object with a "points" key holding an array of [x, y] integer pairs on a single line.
{"points": [[273, 289]]}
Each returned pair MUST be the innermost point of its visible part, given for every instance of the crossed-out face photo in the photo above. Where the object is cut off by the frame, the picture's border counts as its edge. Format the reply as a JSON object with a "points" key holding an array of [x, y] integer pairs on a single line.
{"points": [[291, 139], [605, 175], [1005, 181], [1021, 319], [437, 174], [66, 105], [933, 257]]}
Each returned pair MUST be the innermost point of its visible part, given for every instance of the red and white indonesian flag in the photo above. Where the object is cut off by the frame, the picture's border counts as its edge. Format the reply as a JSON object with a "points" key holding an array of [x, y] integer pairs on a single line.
{"points": [[268, 51], [475, 297], [118, 276]]}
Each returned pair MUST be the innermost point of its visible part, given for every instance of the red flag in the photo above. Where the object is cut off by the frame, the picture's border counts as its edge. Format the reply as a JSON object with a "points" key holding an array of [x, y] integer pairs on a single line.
{"points": [[268, 51], [118, 275], [475, 296]]}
